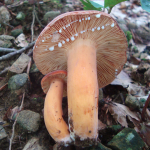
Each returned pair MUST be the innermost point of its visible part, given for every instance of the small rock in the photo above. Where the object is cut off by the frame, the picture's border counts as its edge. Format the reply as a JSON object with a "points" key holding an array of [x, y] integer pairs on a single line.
{"points": [[100, 146], [50, 15], [33, 144], [29, 120], [131, 25], [127, 139], [6, 37], [123, 27], [5, 44], [4, 15], [20, 16], [6, 41], [16, 32], [132, 102], [17, 81]]}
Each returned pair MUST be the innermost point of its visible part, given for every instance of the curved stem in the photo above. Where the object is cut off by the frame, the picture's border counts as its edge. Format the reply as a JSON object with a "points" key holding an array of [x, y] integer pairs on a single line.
{"points": [[82, 86], [54, 121]]}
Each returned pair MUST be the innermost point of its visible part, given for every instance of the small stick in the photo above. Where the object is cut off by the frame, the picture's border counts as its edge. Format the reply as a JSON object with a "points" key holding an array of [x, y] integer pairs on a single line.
{"points": [[144, 108], [7, 50], [16, 52], [13, 129], [4, 71], [32, 25]]}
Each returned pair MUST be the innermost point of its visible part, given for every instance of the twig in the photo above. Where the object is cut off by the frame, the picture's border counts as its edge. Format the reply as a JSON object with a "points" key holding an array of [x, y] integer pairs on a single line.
{"points": [[7, 50], [16, 52], [4, 71], [32, 25], [8, 25], [36, 16], [13, 129], [144, 108]]}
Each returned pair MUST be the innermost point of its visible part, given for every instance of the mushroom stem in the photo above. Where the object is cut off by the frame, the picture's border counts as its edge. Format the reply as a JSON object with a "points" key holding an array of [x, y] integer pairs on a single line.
{"points": [[55, 124], [82, 86]]}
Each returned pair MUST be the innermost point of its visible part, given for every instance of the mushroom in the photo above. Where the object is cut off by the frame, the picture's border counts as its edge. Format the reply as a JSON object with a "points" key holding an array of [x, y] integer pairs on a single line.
{"points": [[53, 85], [92, 48]]}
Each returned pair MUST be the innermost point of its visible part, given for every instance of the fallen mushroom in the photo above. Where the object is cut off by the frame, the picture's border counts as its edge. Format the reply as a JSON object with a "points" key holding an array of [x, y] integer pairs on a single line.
{"points": [[53, 85], [92, 48]]}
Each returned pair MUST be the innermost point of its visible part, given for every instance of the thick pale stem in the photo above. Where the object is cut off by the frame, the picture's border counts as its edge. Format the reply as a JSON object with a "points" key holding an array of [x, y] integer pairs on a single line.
{"points": [[82, 91], [55, 124]]}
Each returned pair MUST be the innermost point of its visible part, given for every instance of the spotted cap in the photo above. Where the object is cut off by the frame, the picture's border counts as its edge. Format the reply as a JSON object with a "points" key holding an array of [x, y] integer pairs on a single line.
{"points": [[54, 42], [58, 74]]}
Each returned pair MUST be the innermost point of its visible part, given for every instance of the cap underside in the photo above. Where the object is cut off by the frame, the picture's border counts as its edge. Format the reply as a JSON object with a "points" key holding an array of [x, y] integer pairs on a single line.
{"points": [[50, 51], [50, 77]]}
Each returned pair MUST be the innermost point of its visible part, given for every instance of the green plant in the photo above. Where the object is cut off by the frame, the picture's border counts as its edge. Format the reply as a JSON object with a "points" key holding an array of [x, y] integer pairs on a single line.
{"points": [[109, 4], [128, 36]]}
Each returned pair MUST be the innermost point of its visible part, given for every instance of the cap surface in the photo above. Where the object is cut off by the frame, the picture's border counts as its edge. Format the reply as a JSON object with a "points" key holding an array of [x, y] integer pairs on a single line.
{"points": [[54, 42], [47, 79]]}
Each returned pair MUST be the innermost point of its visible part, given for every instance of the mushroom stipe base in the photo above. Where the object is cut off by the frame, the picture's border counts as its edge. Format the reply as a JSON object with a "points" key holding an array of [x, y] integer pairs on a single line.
{"points": [[76, 140]]}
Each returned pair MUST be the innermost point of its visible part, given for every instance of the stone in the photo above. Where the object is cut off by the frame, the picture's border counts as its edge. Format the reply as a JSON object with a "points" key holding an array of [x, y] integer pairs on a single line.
{"points": [[5, 44], [28, 120], [33, 144], [127, 139], [6, 37], [50, 15], [17, 81], [20, 16], [100, 146], [16, 32], [132, 102], [123, 27], [4, 15]]}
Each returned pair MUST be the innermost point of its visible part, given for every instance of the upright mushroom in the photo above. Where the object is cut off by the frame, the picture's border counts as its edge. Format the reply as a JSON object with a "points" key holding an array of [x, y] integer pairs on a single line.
{"points": [[53, 85], [92, 48]]}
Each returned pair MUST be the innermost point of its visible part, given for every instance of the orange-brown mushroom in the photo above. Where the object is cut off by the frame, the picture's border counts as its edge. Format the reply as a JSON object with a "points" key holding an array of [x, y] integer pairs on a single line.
{"points": [[92, 48], [53, 84]]}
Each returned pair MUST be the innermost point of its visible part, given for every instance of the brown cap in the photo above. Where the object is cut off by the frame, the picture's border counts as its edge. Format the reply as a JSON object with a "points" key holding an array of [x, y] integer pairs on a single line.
{"points": [[53, 44], [47, 79]]}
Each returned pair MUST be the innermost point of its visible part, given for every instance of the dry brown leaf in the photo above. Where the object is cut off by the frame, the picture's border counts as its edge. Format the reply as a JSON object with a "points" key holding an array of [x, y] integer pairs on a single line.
{"points": [[120, 112], [20, 64], [124, 80], [21, 41]]}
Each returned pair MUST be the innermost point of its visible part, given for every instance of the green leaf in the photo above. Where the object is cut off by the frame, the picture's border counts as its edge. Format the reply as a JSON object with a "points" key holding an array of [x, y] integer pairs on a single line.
{"points": [[96, 4], [146, 5], [89, 6], [112, 3]]}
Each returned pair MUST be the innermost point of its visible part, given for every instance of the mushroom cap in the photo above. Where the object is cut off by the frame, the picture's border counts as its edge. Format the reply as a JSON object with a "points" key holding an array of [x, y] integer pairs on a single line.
{"points": [[50, 77], [54, 42]]}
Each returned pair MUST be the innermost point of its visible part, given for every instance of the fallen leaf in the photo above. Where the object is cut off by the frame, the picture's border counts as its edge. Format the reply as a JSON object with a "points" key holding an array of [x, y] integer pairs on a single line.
{"points": [[124, 80], [20, 64], [120, 112], [21, 41]]}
